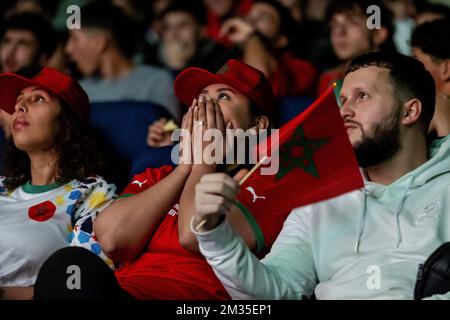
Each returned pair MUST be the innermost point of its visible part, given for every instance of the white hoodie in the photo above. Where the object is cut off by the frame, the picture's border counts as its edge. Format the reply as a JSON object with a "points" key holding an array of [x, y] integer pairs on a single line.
{"points": [[366, 244]]}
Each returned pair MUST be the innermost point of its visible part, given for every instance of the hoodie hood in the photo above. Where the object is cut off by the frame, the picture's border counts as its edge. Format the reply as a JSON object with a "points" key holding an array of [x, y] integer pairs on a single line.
{"points": [[439, 163], [395, 193]]}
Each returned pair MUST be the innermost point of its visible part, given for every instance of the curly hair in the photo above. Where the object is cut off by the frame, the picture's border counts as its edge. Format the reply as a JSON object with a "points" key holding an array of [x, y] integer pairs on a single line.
{"points": [[75, 146]]}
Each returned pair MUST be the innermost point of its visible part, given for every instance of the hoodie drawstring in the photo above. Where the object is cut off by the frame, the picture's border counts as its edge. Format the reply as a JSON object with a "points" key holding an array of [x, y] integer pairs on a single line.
{"points": [[362, 221], [398, 210]]}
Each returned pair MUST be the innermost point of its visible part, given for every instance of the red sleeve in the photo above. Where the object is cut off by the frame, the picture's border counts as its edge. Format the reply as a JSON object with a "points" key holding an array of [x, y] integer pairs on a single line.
{"points": [[146, 179]]}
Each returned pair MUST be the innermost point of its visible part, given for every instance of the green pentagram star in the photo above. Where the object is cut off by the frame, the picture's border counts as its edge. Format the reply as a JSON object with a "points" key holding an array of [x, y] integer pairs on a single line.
{"points": [[298, 153]]}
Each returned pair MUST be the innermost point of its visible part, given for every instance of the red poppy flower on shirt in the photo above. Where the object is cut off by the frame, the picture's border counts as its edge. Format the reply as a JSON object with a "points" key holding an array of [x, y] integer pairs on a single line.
{"points": [[42, 211]]}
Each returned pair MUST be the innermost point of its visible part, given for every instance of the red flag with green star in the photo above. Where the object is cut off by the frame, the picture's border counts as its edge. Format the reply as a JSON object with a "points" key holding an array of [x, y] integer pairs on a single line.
{"points": [[316, 159]]}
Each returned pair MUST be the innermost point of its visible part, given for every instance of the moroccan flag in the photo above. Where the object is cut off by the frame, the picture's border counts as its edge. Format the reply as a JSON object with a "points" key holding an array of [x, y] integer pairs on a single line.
{"points": [[316, 159]]}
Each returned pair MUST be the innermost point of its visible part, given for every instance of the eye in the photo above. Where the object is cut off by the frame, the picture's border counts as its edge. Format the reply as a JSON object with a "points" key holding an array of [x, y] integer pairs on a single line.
{"points": [[362, 95], [353, 22], [38, 98], [223, 96]]}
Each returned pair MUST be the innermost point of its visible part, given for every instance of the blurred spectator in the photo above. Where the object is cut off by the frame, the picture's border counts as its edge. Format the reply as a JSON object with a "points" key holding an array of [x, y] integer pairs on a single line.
{"points": [[154, 24], [264, 36], [316, 9], [295, 8], [159, 6], [312, 10], [432, 12], [311, 40], [132, 8], [218, 11], [103, 49], [41, 7], [350, 36], [431, 46], [404, 12], [183, 41], [59, 59], [27, 41]]}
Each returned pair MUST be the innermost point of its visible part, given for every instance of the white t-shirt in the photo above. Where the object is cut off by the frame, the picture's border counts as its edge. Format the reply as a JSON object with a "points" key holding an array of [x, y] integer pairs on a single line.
{"points": [[35, 221]]}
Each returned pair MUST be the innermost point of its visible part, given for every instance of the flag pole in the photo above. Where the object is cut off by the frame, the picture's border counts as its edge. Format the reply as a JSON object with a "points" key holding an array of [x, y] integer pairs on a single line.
{"points": [[255, 167], [241, 182]]}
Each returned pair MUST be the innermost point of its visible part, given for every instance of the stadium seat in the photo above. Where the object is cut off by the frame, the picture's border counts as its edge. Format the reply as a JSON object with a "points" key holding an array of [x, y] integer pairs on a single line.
{"points": [[122, 130], [152, 158], [123, 125]]}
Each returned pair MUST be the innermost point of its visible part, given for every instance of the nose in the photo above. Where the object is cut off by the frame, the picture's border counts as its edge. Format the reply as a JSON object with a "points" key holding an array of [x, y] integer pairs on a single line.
{"points": [[11, 52], [347, 111], [68, 49], [20, 106], [339, 29]]}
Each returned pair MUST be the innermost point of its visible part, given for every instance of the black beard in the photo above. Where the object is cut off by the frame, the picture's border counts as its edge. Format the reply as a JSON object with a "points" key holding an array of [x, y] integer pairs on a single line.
{"points": [[382, 146]]}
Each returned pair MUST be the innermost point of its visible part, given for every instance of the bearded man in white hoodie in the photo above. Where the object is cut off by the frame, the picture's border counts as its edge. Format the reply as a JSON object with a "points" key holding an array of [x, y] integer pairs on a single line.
{"points": [[366, 244]]}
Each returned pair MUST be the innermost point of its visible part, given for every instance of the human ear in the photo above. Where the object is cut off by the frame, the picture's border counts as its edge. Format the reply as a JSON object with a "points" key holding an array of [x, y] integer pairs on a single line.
{"points": [[444, 70], [411, 112], [261, 122]]}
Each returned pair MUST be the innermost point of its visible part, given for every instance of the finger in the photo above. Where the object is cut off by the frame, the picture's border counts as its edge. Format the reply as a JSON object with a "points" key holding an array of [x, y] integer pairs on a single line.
{"points": [[210, 113], [220, 122], [195, 113], [158, 130], [188, 127], [158, 126], [189, 120], [153, 140], [226, 28], [194, 103], [153, 125], [228, 189], [229, 138], [155, 136], [210, 209], [183, 121], [214, 177], [188, 124], [219, 201], [188, 114], [202, 108], [185, 118]]}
